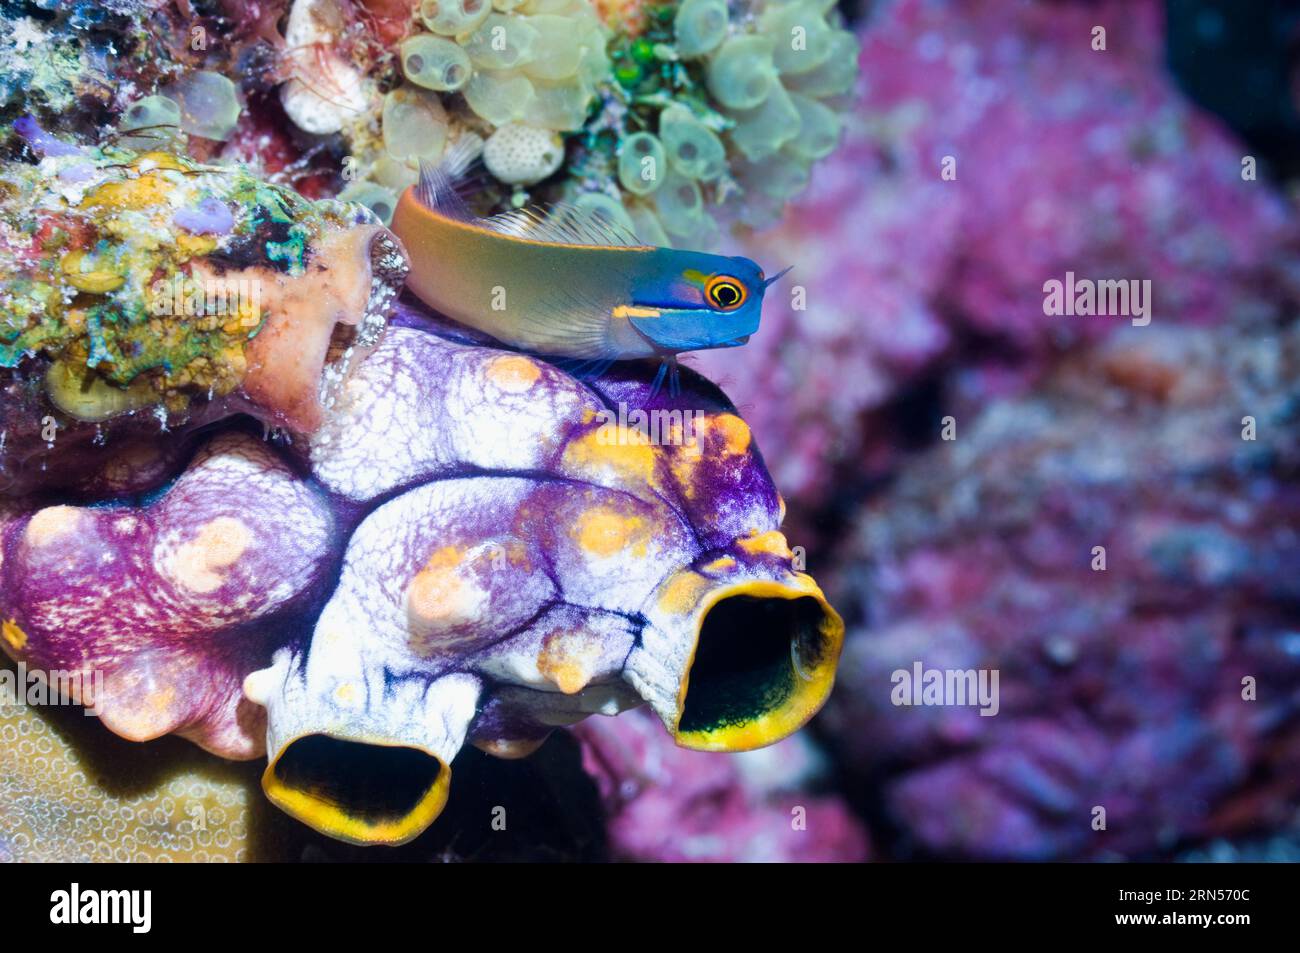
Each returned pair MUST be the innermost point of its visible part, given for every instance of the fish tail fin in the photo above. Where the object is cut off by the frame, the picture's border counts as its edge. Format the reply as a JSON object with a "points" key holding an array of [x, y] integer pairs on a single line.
{"points": [[438, 188]]}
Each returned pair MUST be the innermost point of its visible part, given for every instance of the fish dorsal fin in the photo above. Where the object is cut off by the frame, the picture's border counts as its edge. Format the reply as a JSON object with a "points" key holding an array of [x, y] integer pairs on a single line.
{"points": [[562, 224], [439, 181]]}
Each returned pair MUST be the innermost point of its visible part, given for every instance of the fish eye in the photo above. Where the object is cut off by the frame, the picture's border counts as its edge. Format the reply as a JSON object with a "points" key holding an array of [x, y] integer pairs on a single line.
{"points": [[725, 293]]}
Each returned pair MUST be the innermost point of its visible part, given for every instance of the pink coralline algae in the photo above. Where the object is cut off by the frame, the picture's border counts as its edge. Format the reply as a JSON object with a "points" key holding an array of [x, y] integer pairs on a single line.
{"points": [[1121, 549], [1063, 159], [466, 550], [664, 803]]}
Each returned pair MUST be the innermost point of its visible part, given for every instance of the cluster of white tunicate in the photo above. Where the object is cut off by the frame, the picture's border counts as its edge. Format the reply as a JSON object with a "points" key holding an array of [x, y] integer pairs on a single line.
{"points": [[415, 124], [774, 77], [529, 70]]}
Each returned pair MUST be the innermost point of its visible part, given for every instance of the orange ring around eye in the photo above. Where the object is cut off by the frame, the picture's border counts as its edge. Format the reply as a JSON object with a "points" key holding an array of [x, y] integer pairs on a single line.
{"points": [[719, 282]]}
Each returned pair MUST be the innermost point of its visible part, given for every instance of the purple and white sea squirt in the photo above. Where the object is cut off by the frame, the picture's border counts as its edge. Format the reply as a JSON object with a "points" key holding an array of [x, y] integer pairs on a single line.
{"points": [[459, 543], [516, 562]]}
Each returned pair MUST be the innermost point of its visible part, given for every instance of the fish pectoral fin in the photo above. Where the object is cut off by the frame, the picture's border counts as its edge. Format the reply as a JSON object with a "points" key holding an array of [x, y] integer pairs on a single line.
{"points": [[569, 326], [581, 369]]}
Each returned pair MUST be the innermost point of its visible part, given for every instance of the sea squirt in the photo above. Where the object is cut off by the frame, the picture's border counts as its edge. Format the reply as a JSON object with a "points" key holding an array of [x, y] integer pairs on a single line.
{"points": [[472, 547], [520, 562]]}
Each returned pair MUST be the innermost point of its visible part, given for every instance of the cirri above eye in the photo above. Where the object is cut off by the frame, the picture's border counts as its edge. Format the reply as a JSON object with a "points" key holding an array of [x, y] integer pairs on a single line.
{"points": [[725, 293]]}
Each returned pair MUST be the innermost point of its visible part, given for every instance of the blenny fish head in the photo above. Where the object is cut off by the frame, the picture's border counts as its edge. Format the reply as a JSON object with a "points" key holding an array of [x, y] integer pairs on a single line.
{"points": [[688, 301]]}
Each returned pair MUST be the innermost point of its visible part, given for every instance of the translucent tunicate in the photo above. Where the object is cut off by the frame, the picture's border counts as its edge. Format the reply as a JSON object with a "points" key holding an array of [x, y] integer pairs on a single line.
{"points": [[452, 17], [208, 103], [700, 25], [378, 199], [802, 37], [415, 124], [680, 205], [693, 148], [759, 211], [501, 42], [558, 7], [642, 163], [505, 6], [435, 63], [760, 132], [558, 106], [646, 227], [499, 96], [559, 48], [819, 129], [156, 118], [742, 73], [605, 210], [392, 174], [835, 76], [594, 64], [781, 176], [705, 236]]}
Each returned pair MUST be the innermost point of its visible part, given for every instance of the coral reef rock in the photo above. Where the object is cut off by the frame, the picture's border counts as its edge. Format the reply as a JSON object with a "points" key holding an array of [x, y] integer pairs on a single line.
{"points": [[1120, 548]]}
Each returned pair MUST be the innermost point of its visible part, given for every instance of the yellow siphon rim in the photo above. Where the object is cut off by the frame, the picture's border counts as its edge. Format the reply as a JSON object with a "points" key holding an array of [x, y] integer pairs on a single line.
{"points": [[333, 819], [810, 691]]}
